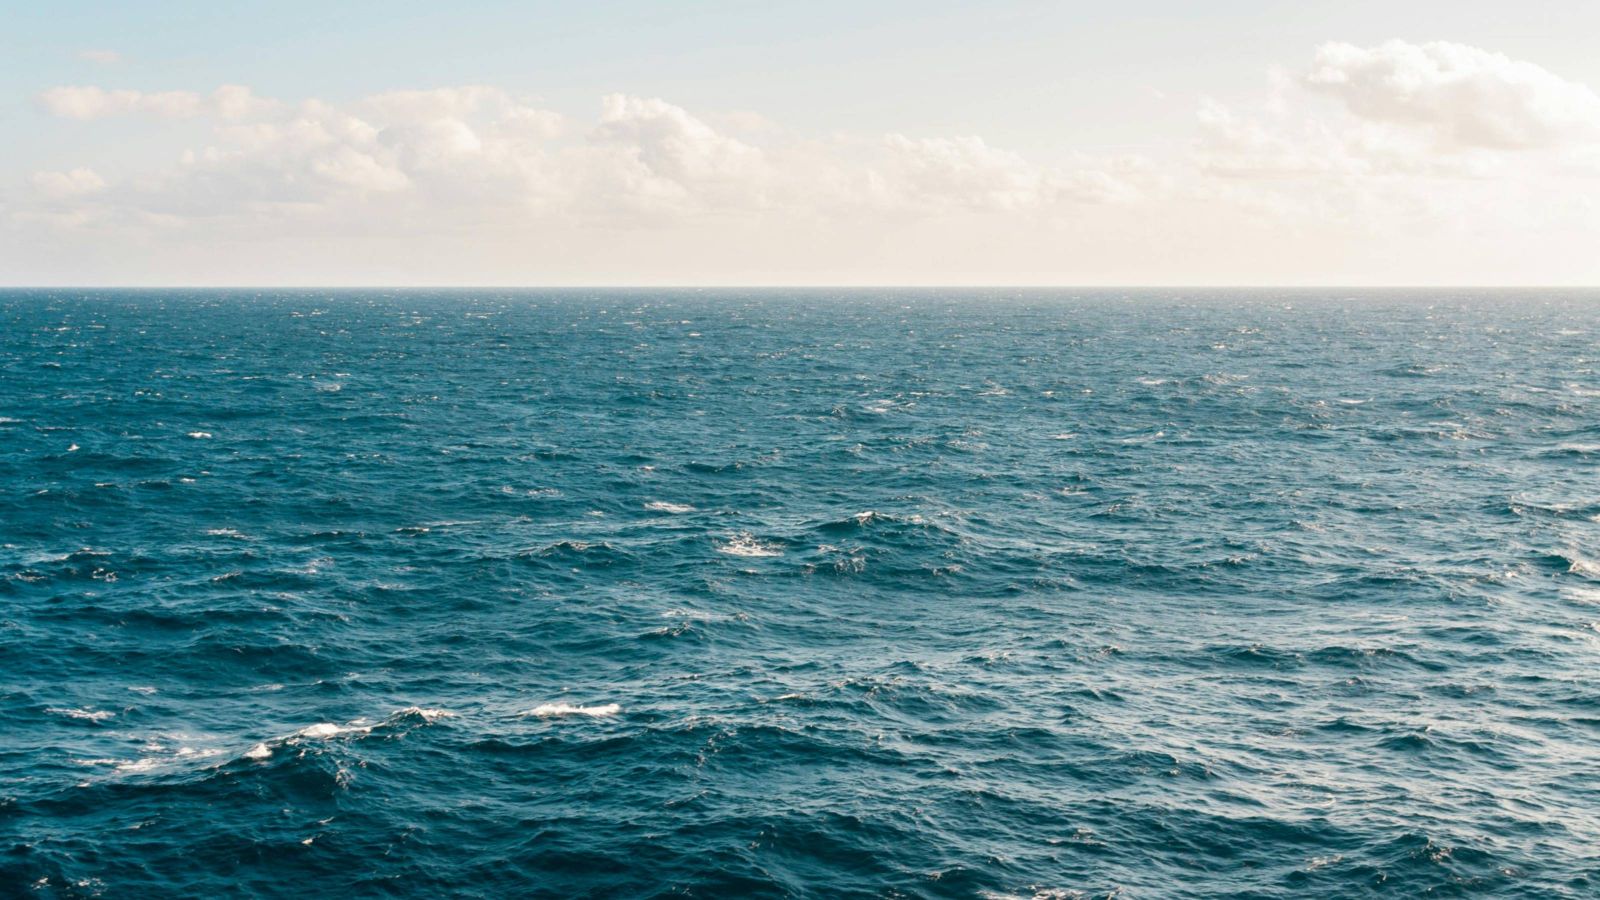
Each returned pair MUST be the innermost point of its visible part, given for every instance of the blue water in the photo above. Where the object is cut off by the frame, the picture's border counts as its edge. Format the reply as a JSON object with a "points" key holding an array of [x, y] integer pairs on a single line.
{"points": [[830, 593]]}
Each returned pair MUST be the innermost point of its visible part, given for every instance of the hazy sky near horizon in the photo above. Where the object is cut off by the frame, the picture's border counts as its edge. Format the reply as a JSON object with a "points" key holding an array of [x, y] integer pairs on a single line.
{"points": [[800, 143]]}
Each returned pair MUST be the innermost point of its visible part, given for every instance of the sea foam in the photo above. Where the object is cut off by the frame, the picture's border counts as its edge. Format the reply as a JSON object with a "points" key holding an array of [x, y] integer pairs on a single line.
{"points": [[553, 710]]}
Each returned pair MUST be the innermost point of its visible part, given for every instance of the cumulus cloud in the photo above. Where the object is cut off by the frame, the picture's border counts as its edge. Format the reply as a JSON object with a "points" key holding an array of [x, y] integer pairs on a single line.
{"points": [[1436, 110], [1273, 143], [966, 172], [464, 152], [1467, 96], [89, 102], [74, 183], [233, 101], [1421, 137], [1396, 140], [648, 154]]}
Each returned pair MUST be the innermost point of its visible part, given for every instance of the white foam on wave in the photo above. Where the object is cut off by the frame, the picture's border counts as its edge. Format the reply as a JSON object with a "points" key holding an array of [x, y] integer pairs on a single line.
{"points": [[199, 435], [553, 710], [325, 730], [694, 615], [138, 765], [427, 714], [1581, 595], [745, 544], [167, 751], [183, 754], [87, 715], [664, 506], [1579, 565]]}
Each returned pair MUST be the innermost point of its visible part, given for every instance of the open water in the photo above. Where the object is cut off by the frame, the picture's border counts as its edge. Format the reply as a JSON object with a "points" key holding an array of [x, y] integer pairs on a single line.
{"points": [[981, 594]]}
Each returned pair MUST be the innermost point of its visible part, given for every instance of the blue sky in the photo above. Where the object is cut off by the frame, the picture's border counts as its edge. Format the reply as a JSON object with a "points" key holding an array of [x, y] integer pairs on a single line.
{"points": [[1076, 91]]}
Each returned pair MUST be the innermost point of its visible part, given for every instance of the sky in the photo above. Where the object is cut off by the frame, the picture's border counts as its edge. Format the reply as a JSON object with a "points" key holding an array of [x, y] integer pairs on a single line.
{"points": [[817, 143]]}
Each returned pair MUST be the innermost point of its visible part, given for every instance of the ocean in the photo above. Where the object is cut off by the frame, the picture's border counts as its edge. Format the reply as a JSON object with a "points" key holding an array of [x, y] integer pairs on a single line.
{"points": [[823, 593]]}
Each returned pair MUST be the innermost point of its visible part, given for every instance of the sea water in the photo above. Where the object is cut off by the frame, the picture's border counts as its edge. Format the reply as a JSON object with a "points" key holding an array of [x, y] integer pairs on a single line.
{"points": [[822, 593]]}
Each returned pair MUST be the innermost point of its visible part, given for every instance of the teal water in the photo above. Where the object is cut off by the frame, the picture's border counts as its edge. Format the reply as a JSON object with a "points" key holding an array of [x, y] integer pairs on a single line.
{"points": [[827, 593]]}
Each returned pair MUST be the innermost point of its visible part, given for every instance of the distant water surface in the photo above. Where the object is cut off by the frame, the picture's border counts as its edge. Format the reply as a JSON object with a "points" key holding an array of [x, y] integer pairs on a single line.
{"points": [[979, 594]]}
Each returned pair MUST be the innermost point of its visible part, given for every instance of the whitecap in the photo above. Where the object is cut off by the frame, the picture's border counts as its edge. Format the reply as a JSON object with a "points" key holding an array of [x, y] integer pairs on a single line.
{"points": [[745, 544], [149, 763], [138, 765], [664, 506], [198, 435], [1579, 565], [1582, 595], [425, 713], [325, 730], [87, 715], [552, 710], [694, 615]]}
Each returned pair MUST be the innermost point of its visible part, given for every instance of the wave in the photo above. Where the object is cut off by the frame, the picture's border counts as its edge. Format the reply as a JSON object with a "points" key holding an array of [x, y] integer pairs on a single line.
{"points": [[168, 755], [557, 710], [664, 506], [84, 715], [745, 544]]}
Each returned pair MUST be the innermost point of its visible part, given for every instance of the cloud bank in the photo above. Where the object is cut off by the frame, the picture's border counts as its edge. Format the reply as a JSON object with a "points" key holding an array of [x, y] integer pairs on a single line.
{"points": [[1439, 146]]}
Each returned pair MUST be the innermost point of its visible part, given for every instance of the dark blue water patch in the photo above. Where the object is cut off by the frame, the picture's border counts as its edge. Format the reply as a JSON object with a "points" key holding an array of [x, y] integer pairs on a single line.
{"points": [[985, 594]]}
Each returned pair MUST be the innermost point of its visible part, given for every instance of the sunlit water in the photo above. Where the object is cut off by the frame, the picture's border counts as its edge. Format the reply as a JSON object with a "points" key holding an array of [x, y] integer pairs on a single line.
{"points": [[852, 593]]}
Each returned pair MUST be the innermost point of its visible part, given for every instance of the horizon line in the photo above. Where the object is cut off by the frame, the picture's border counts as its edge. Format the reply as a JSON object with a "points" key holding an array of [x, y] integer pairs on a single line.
{"points": [[778, 286]]}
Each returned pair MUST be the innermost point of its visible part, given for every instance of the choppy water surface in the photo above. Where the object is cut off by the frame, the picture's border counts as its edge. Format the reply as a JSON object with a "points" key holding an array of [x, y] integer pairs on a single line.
{"points": [[914, 594]]}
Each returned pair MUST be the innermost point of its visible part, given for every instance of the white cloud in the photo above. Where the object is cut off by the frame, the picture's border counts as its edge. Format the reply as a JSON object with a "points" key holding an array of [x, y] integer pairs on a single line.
{"points": [[1431, 139], [649, 154], [75, 183], [644, 160], [233, 102], [1276, 143], [1468, 97], [1380, 151], [103, 57], [965, 172], [88, 102], [1419, 111]]}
